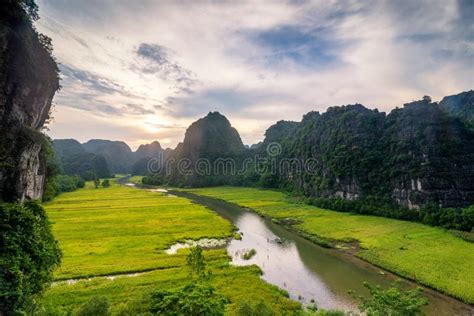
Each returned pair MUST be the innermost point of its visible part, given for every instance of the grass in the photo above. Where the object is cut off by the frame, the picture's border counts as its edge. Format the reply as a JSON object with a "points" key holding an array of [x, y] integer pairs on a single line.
{"points": [[136, 179], [431, 256], [249, 254], [116, 230]]}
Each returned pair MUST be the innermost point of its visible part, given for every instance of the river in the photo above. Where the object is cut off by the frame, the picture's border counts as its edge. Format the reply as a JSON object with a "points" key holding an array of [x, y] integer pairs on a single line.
{"points": [[307, 271]]}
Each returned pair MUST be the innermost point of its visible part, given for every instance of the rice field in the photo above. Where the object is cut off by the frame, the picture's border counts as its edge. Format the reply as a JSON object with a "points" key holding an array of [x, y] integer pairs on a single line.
{"points": [[113, 231]]}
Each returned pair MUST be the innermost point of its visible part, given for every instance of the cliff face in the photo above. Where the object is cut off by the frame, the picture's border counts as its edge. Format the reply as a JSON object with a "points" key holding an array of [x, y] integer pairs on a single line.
{"points": [[460, 105], [416, 154], [431, 155], [211, 137], [28, 82], [206, 140]]}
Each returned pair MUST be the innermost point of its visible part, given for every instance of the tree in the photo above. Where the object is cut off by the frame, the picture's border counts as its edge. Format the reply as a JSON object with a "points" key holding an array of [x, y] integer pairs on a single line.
{"points": [[96, 183], [196, 263], [29, 254], [106, 183], [393, 301]]}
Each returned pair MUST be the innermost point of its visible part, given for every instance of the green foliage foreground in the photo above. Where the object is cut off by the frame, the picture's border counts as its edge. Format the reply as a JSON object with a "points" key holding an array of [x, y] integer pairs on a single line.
{"points": [[393, 301], [29, 253]]}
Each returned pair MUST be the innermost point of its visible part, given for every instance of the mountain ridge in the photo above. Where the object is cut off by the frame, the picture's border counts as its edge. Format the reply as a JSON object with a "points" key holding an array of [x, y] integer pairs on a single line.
{"points": [[419, 153]]}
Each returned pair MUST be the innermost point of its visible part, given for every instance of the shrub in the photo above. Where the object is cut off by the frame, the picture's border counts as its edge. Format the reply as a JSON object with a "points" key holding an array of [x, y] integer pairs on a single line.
{"points": [[393, 301], [249, 254], [197, 299], [153, 179], [61, 183], [259, 309], [430, 214], [29, 255], [106, 183], [96, 306]]}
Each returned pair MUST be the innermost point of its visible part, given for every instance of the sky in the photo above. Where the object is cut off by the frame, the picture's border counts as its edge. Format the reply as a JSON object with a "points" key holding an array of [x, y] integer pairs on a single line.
{"points": [[143, 70]]}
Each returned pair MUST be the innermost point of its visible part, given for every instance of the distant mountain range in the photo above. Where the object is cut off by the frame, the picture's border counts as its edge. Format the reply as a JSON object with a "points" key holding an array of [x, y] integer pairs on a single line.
{"points": [[104, 157], [419, 153]]}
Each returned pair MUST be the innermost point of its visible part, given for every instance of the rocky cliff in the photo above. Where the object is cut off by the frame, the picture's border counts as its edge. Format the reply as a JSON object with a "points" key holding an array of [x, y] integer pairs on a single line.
{"points": [[416, 154], [28, 82], [205, 141], [460, 105], [430, 155]]}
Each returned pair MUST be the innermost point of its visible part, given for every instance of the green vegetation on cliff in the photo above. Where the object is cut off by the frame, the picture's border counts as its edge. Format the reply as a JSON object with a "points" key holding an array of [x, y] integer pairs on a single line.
{"points": [[460, 105], [414, 155]]}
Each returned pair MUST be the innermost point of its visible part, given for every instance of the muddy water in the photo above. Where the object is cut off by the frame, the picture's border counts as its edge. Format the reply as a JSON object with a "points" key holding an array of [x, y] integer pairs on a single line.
{"points": [[306, 270]]}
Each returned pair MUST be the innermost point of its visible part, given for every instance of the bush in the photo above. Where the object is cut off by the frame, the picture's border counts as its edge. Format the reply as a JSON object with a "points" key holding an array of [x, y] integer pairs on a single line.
{"points": [[61, 183], [28, 257], [106, 183], [430, 214], [393, 301], [197, 299], [96, 306], [249, 254], [153, 179], [66, 183], [259, 309]]}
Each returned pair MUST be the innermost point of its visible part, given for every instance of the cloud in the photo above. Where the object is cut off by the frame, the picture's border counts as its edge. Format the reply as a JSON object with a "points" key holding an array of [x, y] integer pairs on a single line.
{"points": [[137, 109], [230, 101], [158, 61], [90, 80], [163, 64], [90, 92]]}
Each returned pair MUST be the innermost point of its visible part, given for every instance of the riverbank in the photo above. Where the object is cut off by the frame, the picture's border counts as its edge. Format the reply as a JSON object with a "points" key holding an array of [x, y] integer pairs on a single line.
{"points": [[122, 231], [428, 255]]}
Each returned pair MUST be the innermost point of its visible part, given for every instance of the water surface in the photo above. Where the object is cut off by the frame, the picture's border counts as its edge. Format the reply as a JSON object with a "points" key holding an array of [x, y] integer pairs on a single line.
{"points": [[306, 270]]}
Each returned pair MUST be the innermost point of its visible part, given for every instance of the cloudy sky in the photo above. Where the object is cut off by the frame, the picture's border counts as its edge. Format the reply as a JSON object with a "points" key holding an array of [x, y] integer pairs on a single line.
{"points": [[143, 70]]}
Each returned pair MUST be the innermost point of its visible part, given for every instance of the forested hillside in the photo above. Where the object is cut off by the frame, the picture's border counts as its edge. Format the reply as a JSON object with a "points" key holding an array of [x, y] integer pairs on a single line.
{"points": [[414, 155], [74, 160], [460, 105]]}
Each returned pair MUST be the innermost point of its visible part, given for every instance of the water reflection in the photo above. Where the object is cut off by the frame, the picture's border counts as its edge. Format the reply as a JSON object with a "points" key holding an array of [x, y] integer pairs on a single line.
{"points": [[306, 270]]}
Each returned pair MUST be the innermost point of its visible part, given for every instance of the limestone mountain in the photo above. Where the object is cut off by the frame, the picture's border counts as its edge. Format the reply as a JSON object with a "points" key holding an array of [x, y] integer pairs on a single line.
{"points": [[148, 150], [414, 155], [28, 82], [74, 160], [460, 105], [211, 137], [145, 154], [118, 154]]}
